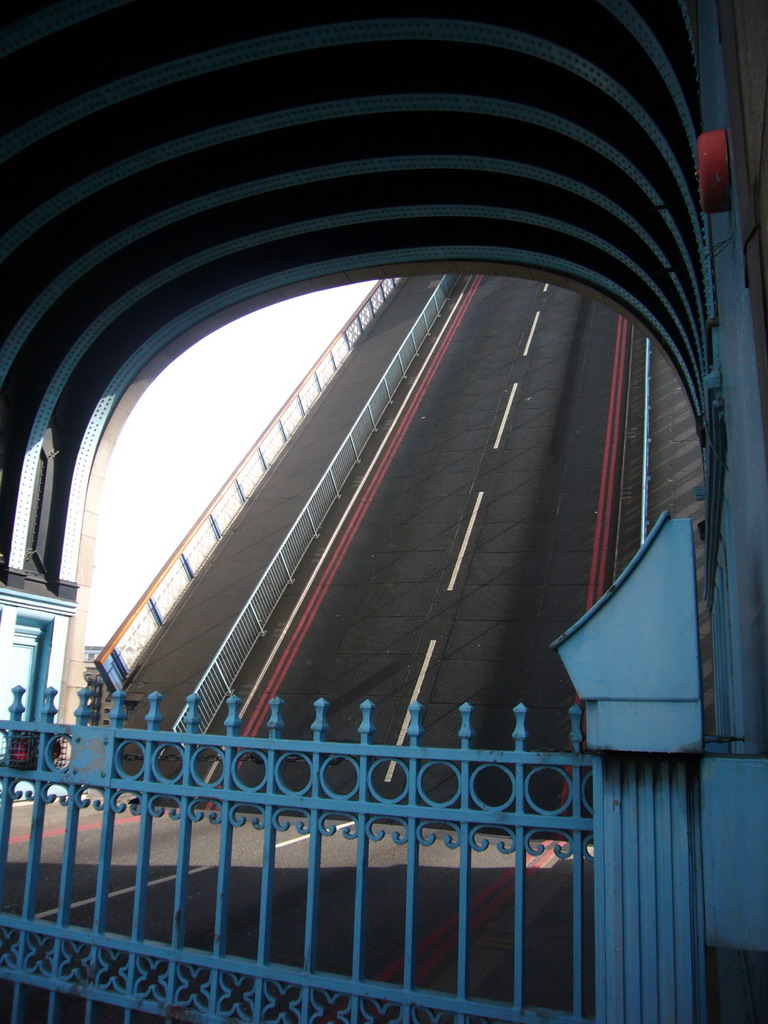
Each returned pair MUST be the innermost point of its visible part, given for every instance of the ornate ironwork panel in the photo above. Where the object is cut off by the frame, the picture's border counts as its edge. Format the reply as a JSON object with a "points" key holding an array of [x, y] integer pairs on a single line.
{"points": [[187, 876]]}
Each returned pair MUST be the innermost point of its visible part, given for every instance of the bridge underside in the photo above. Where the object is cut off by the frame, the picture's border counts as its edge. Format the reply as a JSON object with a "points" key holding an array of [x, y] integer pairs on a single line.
{"points": [[170, 168]]}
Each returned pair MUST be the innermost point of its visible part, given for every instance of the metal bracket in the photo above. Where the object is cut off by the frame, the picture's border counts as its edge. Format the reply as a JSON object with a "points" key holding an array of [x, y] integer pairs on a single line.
{"points": [[91, 751]]}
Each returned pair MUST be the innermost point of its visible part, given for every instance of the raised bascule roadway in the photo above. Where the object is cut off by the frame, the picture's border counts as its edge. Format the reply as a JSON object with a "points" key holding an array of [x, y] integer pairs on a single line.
{"points": [[486, 514], [482, 520], [481, 523]]}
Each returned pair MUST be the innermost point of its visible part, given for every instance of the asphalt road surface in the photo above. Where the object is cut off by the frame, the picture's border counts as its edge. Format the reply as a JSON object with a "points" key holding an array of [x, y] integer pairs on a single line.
{"points": [[482, 530]]}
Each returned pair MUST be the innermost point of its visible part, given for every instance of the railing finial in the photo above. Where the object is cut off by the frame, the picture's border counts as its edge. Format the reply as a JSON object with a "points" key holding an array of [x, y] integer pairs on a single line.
{"points": [[154, 716], [520, 735], [233, 723], [119, 714], [577, 736], [192, 717], [16, 710], [83, 713], [367, 728], [466, 732], [320, 724], [276, 723], [415, 726], [48, 710]]}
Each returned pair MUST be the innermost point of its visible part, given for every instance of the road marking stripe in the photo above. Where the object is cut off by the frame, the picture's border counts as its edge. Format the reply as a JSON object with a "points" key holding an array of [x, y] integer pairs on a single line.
{"points": [[124, 892], [53, 832], [357, 507], [533, 328], [504, 418], [300, 839], [172, 878], [465, 542], [414, 697]]}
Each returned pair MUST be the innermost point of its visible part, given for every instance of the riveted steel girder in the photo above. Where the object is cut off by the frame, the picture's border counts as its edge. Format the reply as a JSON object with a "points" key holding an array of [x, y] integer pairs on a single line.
{"points": [[164, 163]]}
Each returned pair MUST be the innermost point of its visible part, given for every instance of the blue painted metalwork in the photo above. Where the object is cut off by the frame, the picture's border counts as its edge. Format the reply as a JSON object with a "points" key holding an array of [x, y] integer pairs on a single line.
{"points": [[33, 638], [651, 966], [634, 656], [732, 788], [455, 825], [381, 104]]}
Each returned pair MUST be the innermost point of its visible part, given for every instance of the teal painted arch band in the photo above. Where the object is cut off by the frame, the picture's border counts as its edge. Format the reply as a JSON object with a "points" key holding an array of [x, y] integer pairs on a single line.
{"points": [[308, 114], [350, 33], [109, 247], [173, 272], [217, 304]]}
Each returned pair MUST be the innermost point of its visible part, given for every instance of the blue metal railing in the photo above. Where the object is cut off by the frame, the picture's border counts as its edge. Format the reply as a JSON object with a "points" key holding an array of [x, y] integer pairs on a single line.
{"points": [[123, 651], [444, 863], [216, 682]]}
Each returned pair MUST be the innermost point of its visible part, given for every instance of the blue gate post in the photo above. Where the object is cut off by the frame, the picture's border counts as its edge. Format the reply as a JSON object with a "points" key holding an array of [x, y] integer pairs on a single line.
{"points": [[649, 918], [634, 660]]}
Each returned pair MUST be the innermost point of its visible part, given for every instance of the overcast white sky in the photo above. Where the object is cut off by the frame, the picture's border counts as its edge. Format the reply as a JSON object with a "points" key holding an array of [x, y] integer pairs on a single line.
{"points": [[189, 431]]}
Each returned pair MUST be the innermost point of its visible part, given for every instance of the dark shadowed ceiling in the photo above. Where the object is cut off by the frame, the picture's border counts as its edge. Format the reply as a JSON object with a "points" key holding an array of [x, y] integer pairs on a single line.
{"points": [[162, 163]]}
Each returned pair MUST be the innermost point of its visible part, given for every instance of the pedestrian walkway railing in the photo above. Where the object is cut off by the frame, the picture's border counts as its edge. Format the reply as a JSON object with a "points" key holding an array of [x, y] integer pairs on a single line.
{"points": [[216, 682], [124, 650], [293, 880]]}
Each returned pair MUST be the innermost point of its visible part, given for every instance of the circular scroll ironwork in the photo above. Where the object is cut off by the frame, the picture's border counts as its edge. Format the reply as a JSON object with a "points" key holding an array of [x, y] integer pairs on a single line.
{"points": [[340, 776], [207, 765], [492, 786], [548, 789], [293, 774], [129, 760], [249, 770], [167, 762], [443, 778], [390, 772]]}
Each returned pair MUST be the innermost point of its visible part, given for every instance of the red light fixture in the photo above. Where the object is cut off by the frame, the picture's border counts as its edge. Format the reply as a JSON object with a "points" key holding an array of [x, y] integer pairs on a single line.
{"points": [[714, 173]]}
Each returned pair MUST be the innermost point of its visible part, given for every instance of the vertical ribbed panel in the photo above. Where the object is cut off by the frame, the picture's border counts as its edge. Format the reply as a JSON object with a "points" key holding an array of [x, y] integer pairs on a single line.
{"points": [[652, 953]]}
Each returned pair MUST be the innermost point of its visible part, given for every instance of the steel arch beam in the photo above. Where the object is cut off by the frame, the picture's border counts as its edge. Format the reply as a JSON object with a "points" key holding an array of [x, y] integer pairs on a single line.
{"points": [[205, 162]]}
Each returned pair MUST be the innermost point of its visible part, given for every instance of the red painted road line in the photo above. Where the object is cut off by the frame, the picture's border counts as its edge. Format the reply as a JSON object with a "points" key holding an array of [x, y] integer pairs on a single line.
{"points": [[447, 925], [597, 581], [294, 642], [318, 594], [482, 906], [51, 833], [598, 568]]}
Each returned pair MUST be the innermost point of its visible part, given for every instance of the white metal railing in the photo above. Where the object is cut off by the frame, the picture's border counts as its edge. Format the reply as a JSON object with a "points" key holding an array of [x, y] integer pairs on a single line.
{"points": [[216, 682], [123, 651]]}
